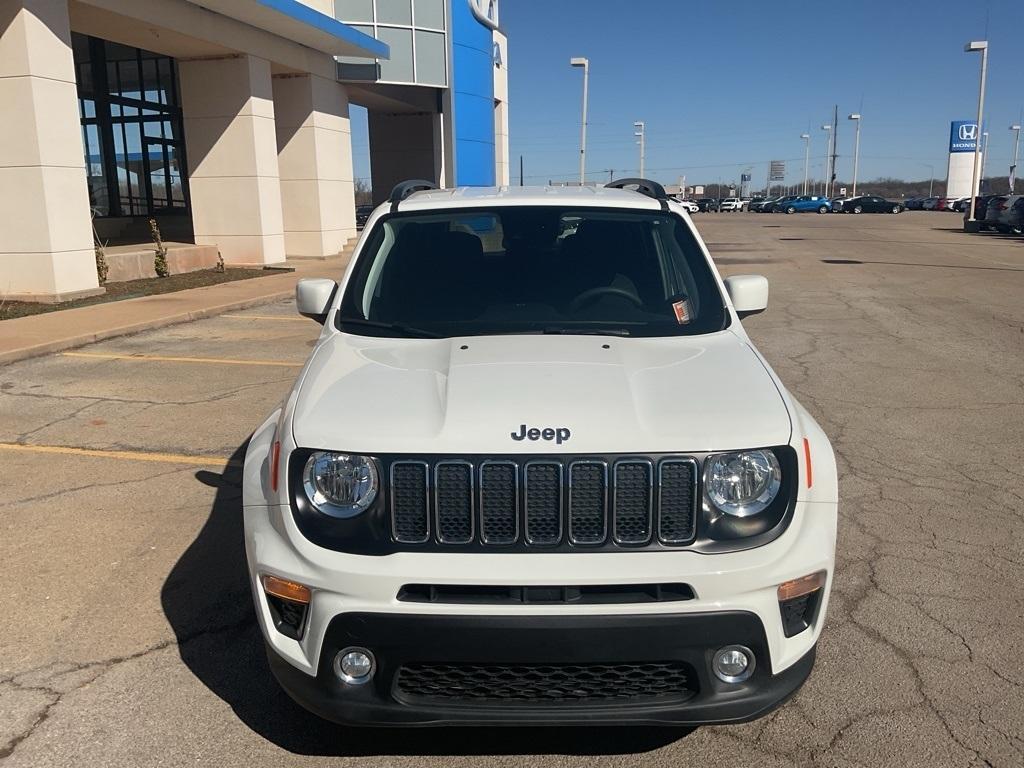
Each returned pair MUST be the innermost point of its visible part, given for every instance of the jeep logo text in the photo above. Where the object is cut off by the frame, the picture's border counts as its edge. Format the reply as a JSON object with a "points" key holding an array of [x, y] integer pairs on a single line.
{"points": [[559, 435]]}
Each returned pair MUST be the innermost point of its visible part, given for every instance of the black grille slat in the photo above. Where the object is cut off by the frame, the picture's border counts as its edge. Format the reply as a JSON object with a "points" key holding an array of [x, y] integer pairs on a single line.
{"points": [[545, 684], [453, 494], [526, 502], [588, 483], [410, 516], [499, 503], [543, 503], [631, 513], [676, 508]]}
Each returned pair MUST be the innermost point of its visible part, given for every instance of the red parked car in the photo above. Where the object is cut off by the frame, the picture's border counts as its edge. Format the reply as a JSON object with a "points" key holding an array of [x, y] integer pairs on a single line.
{"points": [[944, 203]]}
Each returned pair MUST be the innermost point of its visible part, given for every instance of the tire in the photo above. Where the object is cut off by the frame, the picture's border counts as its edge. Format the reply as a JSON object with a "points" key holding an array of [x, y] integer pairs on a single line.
{"points": [[858, 209], [896, 209], [790, 210], [823, 209]]}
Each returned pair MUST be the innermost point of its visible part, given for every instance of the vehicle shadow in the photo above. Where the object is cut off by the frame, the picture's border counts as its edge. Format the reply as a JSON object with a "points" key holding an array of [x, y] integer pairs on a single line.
{"points": [[207, 601]]}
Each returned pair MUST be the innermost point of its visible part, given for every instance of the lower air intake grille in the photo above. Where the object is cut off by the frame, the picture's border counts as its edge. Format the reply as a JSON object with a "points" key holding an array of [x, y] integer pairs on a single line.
{"points": [[540, 684]]}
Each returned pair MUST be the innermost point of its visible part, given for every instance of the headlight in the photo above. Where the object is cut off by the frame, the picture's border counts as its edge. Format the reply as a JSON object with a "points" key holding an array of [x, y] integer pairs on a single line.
{"points": [[742, 484], [340, 484]]}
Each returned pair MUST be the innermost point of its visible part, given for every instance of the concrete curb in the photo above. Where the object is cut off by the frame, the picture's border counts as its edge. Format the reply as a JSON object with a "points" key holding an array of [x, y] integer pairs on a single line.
{"points": [[70, 342]]}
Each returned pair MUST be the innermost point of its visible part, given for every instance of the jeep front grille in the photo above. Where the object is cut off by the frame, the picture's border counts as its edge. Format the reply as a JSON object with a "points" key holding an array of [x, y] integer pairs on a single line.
{"points": [[544, 503]]}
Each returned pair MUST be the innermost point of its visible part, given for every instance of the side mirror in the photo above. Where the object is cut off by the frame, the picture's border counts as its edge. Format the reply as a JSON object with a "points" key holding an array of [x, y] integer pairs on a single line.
{"points": [[313, 297], [748, 293]]}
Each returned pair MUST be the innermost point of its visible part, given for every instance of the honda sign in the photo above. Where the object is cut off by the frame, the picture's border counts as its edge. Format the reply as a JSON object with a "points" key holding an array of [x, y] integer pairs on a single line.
{"points": [[963, 136]]}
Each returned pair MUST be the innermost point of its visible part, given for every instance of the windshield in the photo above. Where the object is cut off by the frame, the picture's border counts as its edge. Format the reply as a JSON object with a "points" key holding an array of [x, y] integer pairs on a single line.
{"points": [[541, 269]]}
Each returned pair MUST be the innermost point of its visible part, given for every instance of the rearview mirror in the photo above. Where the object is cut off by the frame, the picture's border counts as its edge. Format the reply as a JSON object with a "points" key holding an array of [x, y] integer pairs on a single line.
{"points": [[313, 297], [748, 293]]}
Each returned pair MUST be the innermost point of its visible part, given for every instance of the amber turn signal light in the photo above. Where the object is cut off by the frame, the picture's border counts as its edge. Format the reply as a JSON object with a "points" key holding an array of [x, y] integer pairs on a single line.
{"points": [[286, 590], [802, 586]]}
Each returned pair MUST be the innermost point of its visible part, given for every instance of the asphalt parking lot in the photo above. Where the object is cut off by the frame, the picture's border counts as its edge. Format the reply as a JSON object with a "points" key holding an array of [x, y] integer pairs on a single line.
{"points": [[128, 637]]}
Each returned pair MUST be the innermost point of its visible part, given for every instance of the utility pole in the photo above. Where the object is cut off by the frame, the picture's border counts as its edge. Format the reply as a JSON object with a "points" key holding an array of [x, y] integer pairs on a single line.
{"points": [[856, 151], [640, 132]]}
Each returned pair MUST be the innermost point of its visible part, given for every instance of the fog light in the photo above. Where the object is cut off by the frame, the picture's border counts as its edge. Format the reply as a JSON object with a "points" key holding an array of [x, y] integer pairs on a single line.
{"points": [[733, 664], [354, 666]]}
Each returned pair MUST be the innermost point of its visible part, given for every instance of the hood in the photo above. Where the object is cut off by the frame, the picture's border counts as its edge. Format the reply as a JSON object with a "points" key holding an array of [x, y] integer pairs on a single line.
{"points": [[487, 395]]}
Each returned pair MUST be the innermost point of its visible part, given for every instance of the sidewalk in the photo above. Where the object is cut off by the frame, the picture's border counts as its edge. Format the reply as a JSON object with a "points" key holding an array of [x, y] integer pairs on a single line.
{"points": [[25, 337]]}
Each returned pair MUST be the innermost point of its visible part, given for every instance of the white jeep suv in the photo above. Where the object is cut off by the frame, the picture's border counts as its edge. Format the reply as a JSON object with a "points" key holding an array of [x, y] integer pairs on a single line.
{"points": [[731, 204], [534, 471]]}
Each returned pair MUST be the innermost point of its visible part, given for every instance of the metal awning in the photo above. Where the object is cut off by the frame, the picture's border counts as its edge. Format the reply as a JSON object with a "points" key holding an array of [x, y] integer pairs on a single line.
{"points": [[298, 22]]}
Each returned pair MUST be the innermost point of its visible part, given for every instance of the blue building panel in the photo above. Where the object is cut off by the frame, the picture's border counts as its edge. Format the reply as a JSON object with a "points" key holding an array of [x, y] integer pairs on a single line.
{"points": [[472, 98]]}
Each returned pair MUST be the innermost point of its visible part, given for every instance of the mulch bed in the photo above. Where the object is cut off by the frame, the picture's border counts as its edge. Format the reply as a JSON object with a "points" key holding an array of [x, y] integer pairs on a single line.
{"points": [[133, 289]]}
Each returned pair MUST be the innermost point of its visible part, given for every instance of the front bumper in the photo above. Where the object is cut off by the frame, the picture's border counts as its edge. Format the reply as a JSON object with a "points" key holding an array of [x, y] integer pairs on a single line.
{"points": [[542, 643]]}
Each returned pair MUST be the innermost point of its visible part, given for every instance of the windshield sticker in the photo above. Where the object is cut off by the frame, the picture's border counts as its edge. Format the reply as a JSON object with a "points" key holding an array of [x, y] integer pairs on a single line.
{"points": [[683, 312]]}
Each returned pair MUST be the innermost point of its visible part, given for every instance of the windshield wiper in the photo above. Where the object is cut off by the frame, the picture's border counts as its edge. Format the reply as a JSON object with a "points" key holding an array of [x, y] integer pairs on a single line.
{"points": [[587, 331], [397, 327]]}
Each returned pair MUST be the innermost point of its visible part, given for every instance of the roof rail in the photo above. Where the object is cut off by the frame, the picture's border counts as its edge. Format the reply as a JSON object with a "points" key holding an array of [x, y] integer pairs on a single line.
{"points": [[644, 187], [403, 189]]}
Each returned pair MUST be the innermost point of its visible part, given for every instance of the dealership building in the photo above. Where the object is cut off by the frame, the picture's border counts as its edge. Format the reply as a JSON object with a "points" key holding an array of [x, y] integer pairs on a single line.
{"points": [[227, 121]]}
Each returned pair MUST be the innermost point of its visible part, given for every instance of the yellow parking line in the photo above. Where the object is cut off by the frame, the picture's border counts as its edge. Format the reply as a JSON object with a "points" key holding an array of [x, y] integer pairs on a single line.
{"points": [[166, 359], [280, 318], [164, 458]]}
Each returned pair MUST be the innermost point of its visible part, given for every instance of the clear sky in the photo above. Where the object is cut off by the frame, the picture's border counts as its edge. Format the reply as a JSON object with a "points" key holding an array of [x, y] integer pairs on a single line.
{"points": [[723, 86]]}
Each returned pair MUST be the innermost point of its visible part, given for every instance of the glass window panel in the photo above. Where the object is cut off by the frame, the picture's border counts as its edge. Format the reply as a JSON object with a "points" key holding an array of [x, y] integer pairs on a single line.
{"points": [[353, 10], [430, 69], [356, 59], [115, 110], [399, 67], [167, 81], [130, 111], [158, 176], [130, 85], [394, 12], [149, 80], [153, 128], [88, 108], [429, 13]]}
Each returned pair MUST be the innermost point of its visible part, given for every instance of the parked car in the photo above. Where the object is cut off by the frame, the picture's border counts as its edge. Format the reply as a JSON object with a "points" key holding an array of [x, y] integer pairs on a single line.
{"points": [[501, 550], [913, 203], [1015, 215], [837, 204], [689, 205], [956, 204], [1007, 213], [871, 204], [994, 207], [766, 206], [980, 210], [929, 203], [707, 204], [731, 204], [779, 205], [807, 204], [362, 215], [755, 204]]}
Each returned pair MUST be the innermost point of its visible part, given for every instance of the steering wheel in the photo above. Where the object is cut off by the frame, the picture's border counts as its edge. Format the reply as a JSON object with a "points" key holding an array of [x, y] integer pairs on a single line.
{"points": [[591, 295]]}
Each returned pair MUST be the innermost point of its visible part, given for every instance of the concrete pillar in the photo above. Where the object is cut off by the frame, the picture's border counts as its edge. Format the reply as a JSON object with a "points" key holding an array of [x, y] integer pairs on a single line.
{"points": [[314, 144], [46, 245], [403, 145], [228, 110]]}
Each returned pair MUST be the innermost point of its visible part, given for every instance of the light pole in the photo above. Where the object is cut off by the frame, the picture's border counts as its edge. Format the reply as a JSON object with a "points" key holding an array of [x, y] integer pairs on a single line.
{"points": [[828, 152], [856, 151], [579, 61], [931, 177], [971, 225], [1016, 146], [984, 157], [807, 156], [640, 132]]}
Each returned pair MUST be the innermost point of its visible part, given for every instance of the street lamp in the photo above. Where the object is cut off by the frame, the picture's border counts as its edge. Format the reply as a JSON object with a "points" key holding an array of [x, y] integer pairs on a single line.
{"points": [[640, 131], [856, 151], [1016, 146], [807, 156], [578, 61], [984, 156], [828, 152], [971, 225]]}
